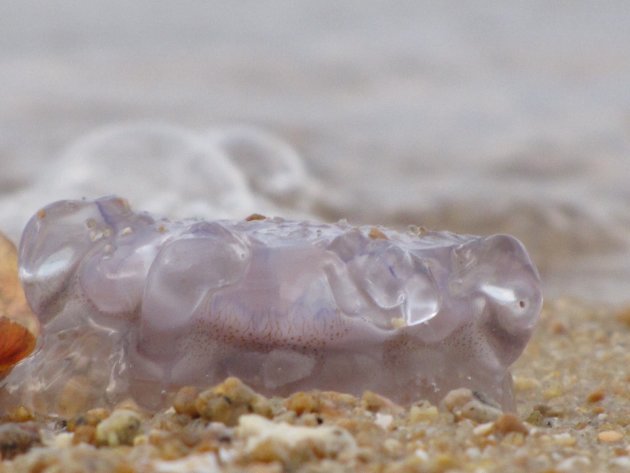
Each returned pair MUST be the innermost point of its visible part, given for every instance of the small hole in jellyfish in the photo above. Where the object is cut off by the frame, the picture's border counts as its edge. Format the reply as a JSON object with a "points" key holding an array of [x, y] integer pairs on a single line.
{"points": [[521, 304]]}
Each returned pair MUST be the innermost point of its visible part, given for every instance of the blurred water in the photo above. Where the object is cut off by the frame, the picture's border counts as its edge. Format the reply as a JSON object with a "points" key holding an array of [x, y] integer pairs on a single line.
{"points": [[484, 117]]}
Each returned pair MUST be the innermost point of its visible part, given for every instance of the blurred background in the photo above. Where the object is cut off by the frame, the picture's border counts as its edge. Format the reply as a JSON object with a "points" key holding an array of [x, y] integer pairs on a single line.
{"points": [[476, 117]]}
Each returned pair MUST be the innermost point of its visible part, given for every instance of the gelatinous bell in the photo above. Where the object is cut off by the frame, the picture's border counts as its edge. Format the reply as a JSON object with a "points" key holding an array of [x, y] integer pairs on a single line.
{"points": [[137, 306]]}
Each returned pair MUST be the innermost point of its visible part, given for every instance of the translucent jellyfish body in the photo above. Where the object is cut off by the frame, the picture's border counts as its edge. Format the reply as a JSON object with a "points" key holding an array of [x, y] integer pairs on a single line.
{"points": [[136, 306]]}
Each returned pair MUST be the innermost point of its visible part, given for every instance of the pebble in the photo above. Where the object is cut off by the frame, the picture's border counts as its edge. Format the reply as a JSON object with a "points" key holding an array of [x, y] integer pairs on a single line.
{"points": [[375, 402], [574, 464], [622, 462], [228, 401], [393, 447], [407, 465], [266, 441], [206, 463], [508, 422], [423, 412], [84, 434], [184, 401], [73, 459], [464, 404], [484, 429], [19, 414], [16, 438], [120, 428], [302, 402], [564, 439], [90, 418], [609, 436], [383, 420]]}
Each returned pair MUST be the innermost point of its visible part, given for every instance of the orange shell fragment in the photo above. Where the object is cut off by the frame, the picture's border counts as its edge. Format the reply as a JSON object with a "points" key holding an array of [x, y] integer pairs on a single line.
{"points": [[16, 343], [19, 327]]}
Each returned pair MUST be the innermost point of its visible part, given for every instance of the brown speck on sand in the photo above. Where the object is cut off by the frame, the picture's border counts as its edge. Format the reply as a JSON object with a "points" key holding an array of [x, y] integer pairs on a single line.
{"points": [[596, 396]]}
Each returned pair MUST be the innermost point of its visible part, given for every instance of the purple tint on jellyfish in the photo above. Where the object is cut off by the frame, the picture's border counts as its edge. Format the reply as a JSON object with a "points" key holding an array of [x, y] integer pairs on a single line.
{"points": [[133, 305]]}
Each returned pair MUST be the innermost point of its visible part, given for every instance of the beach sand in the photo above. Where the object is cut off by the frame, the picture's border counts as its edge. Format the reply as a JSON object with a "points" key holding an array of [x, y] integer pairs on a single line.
{"points": [[573, 415]]}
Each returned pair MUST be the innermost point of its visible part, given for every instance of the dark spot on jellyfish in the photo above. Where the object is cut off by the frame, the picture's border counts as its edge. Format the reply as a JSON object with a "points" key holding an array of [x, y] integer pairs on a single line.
{"points": [[521, 304], [319, 420], [392, 272]]}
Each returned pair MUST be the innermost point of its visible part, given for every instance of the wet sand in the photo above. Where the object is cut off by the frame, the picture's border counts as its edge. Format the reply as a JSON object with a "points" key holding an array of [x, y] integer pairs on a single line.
{"points": [[573, 415]]}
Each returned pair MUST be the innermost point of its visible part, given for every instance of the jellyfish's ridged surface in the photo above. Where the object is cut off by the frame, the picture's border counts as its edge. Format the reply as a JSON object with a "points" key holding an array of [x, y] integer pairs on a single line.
{"points": [[136, 306]]}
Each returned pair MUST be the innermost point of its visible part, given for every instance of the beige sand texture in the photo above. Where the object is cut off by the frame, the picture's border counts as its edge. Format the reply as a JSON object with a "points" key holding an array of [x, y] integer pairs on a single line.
{"points": [[573, 415]]}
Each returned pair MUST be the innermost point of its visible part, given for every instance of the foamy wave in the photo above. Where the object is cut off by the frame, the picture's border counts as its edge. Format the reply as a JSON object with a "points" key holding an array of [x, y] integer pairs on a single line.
{"points": [[569, 210], [220, 173]]}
